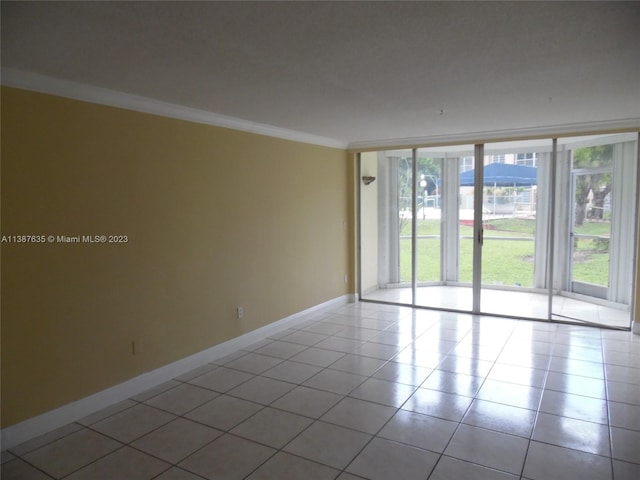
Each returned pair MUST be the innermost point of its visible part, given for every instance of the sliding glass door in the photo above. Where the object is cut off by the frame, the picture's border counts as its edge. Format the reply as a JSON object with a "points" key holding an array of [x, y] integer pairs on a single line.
{"points": [[590, 232], [416, 224], [514, 219], [444, 229], [595, 223], [541, 229]]}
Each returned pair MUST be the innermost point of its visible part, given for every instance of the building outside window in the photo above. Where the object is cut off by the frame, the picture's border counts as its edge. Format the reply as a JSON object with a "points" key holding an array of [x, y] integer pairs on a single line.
{"points": [[466, 163], [530, 159]]}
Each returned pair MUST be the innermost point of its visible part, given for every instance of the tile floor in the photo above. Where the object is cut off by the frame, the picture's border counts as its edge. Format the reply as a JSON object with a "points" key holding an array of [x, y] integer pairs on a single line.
{"points": [[375, 392]]}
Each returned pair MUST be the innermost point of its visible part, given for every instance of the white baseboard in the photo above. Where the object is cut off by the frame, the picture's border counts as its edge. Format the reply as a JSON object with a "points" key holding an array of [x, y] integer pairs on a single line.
{"points": [[46, 422]]}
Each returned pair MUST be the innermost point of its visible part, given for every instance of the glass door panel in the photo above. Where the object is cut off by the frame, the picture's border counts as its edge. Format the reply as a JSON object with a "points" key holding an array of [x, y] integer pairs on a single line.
{"points": [[462, 283], [595, 219], [514, 234], [429, 220], [444, 240], [590, 233], [386, 190]]}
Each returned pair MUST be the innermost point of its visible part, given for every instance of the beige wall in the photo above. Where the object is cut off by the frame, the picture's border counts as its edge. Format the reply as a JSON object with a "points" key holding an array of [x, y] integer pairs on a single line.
{"points": [[369, 223], [215, 218]]}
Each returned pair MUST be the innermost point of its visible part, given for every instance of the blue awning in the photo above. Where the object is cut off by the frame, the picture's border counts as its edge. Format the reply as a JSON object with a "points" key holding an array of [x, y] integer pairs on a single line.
{"points": [[503, 175]]}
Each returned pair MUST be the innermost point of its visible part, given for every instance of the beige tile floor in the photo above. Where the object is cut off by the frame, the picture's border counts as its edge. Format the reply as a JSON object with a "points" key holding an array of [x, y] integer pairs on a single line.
{"points": [[370, 391], [507, 302]]}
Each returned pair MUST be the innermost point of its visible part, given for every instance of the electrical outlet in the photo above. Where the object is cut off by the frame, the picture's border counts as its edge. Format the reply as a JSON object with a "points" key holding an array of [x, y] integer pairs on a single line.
{"points": [[346, 279], [240, 312]]}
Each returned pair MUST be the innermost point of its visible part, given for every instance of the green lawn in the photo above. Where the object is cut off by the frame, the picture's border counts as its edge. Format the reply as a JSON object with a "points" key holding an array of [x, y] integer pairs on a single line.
{"points": [[504, 262]]}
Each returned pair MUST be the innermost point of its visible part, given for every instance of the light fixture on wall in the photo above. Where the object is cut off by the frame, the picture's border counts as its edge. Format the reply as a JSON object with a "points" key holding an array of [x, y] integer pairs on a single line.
{"points": [[368, 180]]}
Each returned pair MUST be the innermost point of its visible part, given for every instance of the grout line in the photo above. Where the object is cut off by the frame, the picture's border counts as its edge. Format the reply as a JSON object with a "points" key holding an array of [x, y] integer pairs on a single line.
{"points": [[606, 394], [474, 398], [537, 414], [390, 328]]}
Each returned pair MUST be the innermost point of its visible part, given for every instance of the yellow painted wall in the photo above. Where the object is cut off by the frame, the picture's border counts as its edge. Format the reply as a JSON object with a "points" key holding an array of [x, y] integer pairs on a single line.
{"points": [[215, 218], [369, 223]]}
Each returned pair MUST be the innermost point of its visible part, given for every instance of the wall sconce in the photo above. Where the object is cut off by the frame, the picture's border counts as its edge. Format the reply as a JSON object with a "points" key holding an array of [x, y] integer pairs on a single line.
{"points": [[368, 180]]}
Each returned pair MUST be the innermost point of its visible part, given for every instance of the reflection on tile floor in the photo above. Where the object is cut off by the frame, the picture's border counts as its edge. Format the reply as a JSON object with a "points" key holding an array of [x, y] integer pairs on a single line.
{"points": [[371, 391], [507, 302]]}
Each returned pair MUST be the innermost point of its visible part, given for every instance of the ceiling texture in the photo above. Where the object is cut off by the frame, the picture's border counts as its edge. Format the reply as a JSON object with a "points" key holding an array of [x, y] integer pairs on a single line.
{"points": [[358, 74]]}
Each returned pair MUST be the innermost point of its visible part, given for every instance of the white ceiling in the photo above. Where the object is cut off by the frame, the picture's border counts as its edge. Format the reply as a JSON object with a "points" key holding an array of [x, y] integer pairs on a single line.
{"points": [[361, 73]]}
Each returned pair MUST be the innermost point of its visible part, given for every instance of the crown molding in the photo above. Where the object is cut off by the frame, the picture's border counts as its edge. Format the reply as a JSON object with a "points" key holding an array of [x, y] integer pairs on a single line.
{"points": [[103, 96], [552, 131]]}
